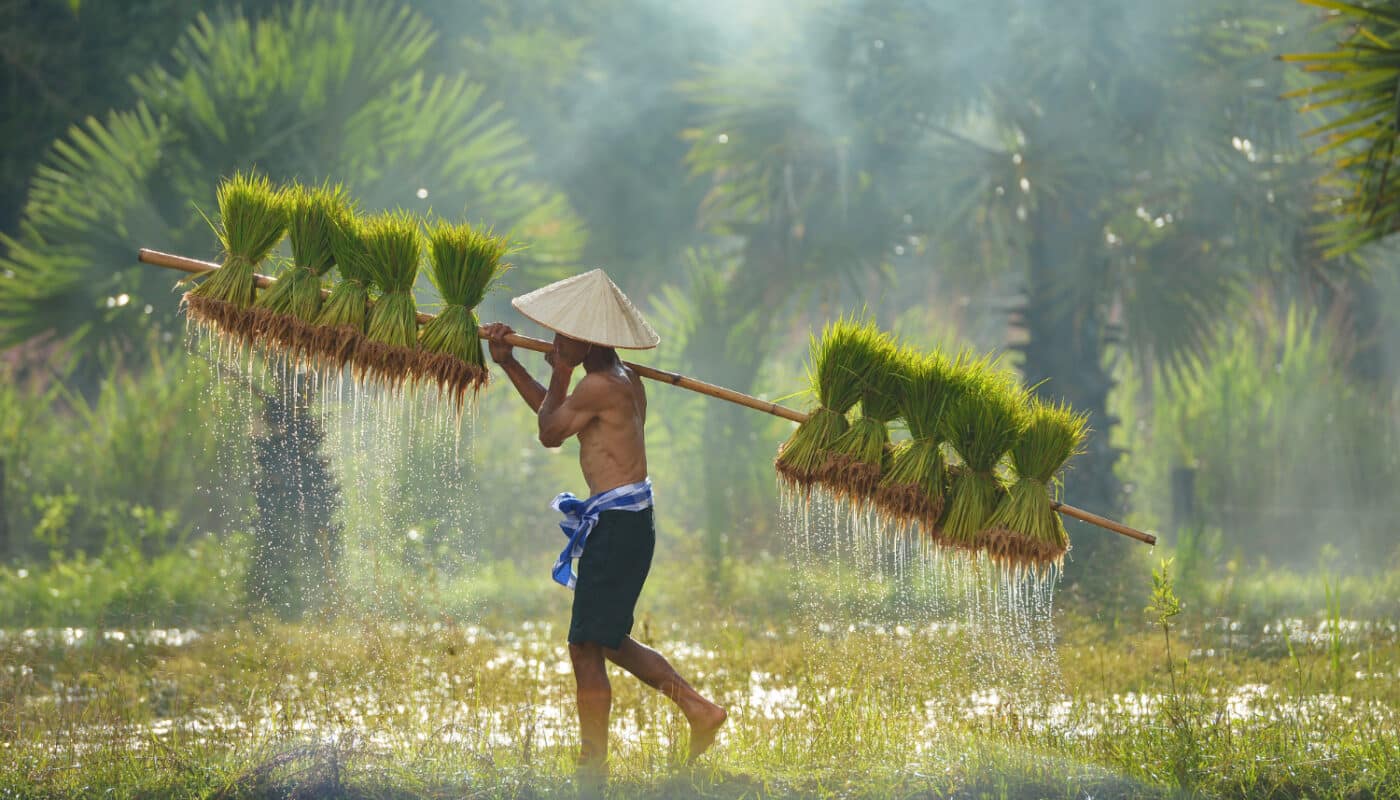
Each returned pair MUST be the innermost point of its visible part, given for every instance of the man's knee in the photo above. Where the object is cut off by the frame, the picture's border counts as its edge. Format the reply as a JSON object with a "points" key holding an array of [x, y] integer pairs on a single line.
{"points": [[585, 653], [589, 666]]}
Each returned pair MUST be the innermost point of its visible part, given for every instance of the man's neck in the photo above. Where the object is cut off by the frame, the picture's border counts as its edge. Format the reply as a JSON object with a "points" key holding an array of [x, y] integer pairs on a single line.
{"points": [[600, 359]]}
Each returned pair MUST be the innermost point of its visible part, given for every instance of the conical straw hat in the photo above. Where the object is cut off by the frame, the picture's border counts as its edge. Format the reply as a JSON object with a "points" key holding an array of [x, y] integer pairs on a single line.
{"points": [[590, 308]]}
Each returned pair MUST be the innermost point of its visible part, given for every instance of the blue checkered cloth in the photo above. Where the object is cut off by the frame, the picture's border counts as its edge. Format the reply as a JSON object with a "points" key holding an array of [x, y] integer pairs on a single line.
{"points": [[581, 515]]}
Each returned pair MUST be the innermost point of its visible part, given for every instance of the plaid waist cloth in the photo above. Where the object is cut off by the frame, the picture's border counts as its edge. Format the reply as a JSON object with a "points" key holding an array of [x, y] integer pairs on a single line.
{"points": [[581, 515]]}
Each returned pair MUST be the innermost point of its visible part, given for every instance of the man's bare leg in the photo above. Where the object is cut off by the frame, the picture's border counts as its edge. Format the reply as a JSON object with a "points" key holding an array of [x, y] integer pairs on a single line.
{"points": [[655, 671], [594, 704]]}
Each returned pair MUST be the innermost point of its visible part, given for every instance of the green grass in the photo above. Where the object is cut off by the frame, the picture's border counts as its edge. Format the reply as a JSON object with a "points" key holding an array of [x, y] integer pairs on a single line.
{"points": [[427, 705], [394, 241]]}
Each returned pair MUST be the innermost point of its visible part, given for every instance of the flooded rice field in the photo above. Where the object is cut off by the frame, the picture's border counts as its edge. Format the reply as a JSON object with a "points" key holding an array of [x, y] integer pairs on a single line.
{"points": [[903, 701]]}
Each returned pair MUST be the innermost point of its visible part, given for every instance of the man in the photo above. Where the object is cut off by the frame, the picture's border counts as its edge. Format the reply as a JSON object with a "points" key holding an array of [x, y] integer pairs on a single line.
{"points": [[611, 533]]}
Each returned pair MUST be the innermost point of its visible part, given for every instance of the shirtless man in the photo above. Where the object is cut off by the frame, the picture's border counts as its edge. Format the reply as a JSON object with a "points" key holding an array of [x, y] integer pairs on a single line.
{"points": [[607, 411]]}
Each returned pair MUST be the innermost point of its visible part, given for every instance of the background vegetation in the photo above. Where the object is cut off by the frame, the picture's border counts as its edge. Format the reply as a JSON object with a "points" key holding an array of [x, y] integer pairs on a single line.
{"points": [[1113, 193]]}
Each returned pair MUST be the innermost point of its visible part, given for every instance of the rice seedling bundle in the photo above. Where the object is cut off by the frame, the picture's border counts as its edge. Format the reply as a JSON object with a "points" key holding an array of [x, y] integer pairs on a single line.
{"points": [[913, 488], [463, 264], [984, 420], [340, 327], [285, 314], [835, 372], [861, 455], [1025, 531], [252, 220], [394, 244]]}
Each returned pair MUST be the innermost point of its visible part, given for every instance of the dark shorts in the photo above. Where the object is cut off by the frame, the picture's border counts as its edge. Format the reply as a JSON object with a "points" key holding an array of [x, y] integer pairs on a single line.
{"points": [[614, 565]]}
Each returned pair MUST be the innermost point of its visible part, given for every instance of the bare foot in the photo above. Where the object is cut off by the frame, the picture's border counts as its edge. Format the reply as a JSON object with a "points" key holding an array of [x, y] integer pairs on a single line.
{"points": [[704, 726], [591, 778]]}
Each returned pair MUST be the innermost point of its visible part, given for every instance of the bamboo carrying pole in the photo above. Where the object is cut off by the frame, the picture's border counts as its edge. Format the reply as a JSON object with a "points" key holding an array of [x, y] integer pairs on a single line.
{"points": [[196, 267]]}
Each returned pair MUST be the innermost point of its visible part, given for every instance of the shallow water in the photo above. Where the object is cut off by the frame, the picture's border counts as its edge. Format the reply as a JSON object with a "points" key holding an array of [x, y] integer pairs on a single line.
{"points": [[517, 688]]}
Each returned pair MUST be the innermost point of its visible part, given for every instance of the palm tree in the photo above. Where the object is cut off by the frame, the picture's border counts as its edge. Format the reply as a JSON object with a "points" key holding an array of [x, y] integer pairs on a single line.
{"points": [[803, 196], [714, 329], [1359, 133], [334, 88], [1130, 174], [323, 89]]}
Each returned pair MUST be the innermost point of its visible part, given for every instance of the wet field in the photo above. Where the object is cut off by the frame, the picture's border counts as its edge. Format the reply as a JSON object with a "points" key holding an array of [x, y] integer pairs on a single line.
{"points": [[1290, 708]]}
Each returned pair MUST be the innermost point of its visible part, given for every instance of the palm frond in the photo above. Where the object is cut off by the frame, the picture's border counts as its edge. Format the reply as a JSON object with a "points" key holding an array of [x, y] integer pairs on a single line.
{"points": [[1362, 78]]}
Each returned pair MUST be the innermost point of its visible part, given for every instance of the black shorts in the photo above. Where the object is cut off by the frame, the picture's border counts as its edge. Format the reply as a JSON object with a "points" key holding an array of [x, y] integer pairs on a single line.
{"points": [[614, 565]]}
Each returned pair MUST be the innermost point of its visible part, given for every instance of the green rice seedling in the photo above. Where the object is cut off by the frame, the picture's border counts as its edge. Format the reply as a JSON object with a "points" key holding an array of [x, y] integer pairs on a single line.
{"points": [[1025, 532], [913, 488], [463, 264], [340, 327], [983, 421], [286, 312], [394, 242], [858, 459], [835, 371], [252, 220]]}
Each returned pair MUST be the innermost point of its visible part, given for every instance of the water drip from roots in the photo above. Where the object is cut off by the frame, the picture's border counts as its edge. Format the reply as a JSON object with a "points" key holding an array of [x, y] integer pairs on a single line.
{"points": [[856, 571], [407, 520]]}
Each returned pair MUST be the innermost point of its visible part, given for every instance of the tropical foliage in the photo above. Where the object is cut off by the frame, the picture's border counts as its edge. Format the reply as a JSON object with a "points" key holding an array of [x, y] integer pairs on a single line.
{"points": [[337, 89], [1356, 97]]}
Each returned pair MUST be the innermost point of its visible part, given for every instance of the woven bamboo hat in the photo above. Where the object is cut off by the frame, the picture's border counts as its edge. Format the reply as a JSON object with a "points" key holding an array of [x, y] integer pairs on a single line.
{"points": [[590, 308]]}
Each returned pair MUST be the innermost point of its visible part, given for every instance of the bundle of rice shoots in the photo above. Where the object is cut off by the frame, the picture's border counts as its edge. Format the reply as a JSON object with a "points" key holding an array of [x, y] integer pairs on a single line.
{"points": [[285, 313], [340, 327], [913, 488], [463, 263], [252, 219], [394, 241], [835, 371], [983, 421], [1025, 532], [860, 456]]}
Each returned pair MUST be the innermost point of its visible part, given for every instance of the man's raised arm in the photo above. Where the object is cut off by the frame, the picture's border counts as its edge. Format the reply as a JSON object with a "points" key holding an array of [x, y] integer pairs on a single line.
{"points": [[562, 414], [531, 390]]}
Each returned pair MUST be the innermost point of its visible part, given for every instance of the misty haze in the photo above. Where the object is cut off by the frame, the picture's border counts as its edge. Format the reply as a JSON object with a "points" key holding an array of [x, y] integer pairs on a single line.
{"points": [[935, 399]]}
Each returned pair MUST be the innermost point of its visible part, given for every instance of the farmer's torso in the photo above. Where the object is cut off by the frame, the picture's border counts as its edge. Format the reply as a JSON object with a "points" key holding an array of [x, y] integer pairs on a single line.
{"points": [[612, 448]]}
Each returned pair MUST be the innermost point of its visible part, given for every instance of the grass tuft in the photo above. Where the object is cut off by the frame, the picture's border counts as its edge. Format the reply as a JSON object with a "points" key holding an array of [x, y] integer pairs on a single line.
{"points": [[912, 490], [464, 263], [286, 313], [861, 455], [394, 243], [252, 220], [340, 327], [837, 361], [1025, 531], [984, 420]]}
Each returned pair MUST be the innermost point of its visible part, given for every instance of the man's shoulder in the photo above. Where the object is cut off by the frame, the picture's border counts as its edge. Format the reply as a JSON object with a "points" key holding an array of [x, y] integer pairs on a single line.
{"points": [[606, 384]]}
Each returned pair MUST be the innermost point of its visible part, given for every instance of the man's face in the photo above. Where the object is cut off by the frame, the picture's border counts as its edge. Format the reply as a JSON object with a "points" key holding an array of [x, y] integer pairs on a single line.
{"points": [[569, 350]]}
